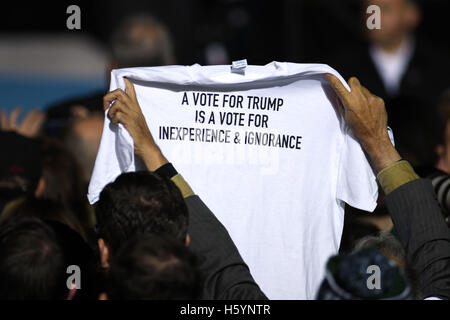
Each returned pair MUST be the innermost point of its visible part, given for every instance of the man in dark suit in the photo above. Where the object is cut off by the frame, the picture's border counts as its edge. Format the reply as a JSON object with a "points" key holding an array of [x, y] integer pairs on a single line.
{"points": [[407, 72], [411, 201]]}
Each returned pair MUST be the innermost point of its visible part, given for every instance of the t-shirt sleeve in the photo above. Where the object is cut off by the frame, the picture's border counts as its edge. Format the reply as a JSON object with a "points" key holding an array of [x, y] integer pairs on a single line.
{"points": [[115, 154], [357, 185]]}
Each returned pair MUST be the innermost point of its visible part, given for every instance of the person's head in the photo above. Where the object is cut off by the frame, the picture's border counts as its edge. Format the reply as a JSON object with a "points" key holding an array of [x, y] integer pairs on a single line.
{"points": [[389, 246], [63, 181], [82, 140], [153, 268], [141, 41], [139, 203], [31, 261], [20, 167], [366, 274], [398, 19], [386, 244], [61, 172], [45, 209]]}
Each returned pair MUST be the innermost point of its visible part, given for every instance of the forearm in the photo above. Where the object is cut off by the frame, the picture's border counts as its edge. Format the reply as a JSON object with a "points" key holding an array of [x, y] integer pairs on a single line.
{"points": [[153, 157], [381, 151], [156, 162]]}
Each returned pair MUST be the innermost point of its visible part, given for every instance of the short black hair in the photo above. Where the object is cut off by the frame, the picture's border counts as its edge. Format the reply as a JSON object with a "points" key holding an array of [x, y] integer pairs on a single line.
{"points": [[140, 203], [153, 268], [46, 210], [31, 261]]}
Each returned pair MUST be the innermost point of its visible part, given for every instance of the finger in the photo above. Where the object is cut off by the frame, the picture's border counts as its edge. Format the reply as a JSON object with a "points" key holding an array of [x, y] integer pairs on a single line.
{"points": [[110, 97], [130, 89], [36, 124], [118, 117], [338, 87], [112, 111], [24, 128], [118, 106], [354, 83], [3, 121], [15, 113], [117, 94], [367, 93]]}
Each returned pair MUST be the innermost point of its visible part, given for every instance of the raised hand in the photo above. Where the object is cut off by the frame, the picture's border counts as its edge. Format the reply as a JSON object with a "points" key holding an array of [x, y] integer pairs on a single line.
{"points": [[366, 116], [124, 108], [28, 127]]}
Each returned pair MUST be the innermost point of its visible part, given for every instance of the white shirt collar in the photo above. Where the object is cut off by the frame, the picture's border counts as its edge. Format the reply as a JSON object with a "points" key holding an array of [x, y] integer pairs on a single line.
{"points": [[391, 66]]}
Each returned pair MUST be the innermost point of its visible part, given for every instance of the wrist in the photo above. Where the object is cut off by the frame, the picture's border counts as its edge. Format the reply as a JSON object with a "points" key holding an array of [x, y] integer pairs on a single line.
{"points": [[153, 157], [381, 153]]}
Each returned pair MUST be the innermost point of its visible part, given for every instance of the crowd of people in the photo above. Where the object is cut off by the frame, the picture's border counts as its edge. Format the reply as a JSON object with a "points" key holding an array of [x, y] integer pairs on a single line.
{"points": [[150, 236]]}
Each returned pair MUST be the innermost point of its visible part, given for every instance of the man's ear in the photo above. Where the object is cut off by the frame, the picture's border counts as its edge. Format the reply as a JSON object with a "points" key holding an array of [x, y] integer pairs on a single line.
{"points": [[413, 16], [441, 162], [439, 150], [187, 243], [103, 296], [104, 253]]}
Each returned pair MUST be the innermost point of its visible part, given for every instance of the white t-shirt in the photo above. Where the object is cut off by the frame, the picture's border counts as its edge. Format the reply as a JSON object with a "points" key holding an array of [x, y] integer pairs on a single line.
{"points": [[276, 173]]}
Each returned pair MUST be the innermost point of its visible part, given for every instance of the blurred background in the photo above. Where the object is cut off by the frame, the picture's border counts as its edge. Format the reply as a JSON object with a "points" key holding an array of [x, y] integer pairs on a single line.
{"points": [[62, 74], [40, 56]]}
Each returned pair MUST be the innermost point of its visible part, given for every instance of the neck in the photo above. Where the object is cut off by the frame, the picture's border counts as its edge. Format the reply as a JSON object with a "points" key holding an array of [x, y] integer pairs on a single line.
{"points": [[394, 45]]}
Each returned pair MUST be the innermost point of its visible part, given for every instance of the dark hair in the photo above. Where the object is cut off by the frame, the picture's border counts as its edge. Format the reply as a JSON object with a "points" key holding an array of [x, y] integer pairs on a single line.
{"points": [[47, 210], [63, 181], [153, 268], [31, 261], [140, 203], [388, 245]]}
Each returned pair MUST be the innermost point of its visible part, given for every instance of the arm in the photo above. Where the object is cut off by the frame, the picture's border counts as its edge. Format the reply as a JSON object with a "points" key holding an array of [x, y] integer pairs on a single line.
{"points": [[225, 273], [423, 233], [410, 200]]}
